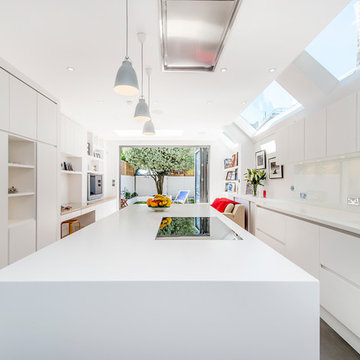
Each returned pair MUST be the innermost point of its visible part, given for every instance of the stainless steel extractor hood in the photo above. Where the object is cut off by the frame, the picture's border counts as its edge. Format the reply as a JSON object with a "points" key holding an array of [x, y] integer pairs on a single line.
{"points": [[193, 32]]}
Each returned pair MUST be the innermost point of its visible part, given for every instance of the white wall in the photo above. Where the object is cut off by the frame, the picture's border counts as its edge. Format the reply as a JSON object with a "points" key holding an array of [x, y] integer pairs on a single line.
{"points": [[127, 183]]}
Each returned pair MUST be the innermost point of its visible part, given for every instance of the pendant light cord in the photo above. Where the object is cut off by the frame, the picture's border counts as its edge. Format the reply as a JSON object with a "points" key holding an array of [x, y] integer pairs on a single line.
{"points": [[149, 92], [142, 69], [127, 29]]}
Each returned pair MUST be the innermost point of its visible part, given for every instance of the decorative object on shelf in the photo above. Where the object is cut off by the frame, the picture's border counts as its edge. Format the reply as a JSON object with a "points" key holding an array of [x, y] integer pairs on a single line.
{"points": [[158, 202], [255, 177], [97, 155], [228, 163], [149, 128], [88, 149], [234, 158], [12, 190], [67, 166], [231, 175], [275, 171], [260, 159], [230, 187], [249, 189], [142, 110], [126, 82]]}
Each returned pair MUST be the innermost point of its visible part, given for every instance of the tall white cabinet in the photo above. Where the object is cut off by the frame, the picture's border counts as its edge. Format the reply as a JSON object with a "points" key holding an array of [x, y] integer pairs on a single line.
{"points": [[46, 195], [28, 145], [3, 200]]}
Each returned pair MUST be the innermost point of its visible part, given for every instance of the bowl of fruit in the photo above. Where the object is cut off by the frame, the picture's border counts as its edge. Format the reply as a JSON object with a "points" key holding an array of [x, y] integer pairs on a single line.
{"points": [[158, 203]]}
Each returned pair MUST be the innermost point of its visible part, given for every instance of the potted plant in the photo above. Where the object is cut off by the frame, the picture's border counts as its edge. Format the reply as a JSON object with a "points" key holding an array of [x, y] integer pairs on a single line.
{"points": [[254, 177]]}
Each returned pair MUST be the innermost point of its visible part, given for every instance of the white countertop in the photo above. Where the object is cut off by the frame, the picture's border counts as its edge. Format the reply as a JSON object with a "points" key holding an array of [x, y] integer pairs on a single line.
{"points": [[343, 220], [122, 247]]}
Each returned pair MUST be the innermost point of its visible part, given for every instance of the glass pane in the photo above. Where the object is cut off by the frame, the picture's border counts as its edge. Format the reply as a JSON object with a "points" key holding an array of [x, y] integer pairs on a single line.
{"points": [[336, 47], [273, 103]]}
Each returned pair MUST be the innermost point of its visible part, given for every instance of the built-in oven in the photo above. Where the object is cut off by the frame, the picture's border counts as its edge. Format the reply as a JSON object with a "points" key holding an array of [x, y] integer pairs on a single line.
{"points": [[95, 187]]}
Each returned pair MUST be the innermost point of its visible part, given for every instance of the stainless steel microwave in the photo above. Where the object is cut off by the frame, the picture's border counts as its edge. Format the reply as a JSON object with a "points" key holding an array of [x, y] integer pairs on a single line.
{"points": [[95, 187]]}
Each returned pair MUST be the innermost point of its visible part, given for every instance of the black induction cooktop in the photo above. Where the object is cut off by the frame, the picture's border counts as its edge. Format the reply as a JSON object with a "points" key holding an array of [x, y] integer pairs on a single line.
{"points": [[195, 228]]}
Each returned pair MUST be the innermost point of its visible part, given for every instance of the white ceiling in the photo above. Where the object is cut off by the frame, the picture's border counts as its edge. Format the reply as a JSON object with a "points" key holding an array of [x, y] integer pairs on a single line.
{"points": [[42, 38]]}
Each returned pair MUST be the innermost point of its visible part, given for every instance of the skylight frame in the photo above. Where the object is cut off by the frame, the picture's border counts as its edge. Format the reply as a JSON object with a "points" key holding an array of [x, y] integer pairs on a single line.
{"points": [[320, 45], [244, 123]]}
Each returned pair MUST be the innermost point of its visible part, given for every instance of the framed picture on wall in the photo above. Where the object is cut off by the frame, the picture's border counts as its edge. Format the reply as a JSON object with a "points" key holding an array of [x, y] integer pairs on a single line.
{"points": [[260, 159], [275, 170]]}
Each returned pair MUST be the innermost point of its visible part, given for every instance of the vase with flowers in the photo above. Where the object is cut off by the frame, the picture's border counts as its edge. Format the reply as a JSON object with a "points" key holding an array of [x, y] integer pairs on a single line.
{"points": [[254, 177]]}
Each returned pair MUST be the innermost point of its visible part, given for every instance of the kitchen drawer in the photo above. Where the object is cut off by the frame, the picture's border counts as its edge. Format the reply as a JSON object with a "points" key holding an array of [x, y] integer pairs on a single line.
{"points": [[340, 253], [271, 223], [273, 243], [341, 299]]}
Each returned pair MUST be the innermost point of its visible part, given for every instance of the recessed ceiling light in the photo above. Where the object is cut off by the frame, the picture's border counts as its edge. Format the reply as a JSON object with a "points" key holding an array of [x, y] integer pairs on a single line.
{"points": [[209, 102], [224, 69], [244, 102], [272, 69], [70, 68]]}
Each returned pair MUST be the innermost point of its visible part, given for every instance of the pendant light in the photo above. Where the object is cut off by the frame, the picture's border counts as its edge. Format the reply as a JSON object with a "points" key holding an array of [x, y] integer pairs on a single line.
{"points": [[149, 128], [142, 110], [126, 82]]}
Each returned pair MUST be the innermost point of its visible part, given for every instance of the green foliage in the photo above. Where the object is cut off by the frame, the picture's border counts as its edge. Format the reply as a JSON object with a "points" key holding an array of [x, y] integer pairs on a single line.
{"points": [[255, 176], [160, 160], [123, 158], [179, 226]]}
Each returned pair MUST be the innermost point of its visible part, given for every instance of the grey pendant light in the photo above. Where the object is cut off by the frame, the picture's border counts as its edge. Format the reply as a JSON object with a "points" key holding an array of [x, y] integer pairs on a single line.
{"points": [[126, 82], [149, 128], [142, 110]]}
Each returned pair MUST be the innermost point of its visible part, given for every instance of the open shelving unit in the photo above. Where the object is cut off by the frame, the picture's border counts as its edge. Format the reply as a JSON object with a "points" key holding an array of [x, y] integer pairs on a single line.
{"points": [[231, 185], [22, 176]]}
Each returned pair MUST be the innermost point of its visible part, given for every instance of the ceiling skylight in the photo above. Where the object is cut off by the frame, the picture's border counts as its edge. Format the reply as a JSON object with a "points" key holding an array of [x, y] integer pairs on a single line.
{"points": [[271, 105], [336, 47]]}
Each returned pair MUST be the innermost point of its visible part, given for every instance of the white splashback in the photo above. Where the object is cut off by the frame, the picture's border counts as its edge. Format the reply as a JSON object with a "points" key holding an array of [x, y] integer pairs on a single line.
{"points": [[329, 182]]}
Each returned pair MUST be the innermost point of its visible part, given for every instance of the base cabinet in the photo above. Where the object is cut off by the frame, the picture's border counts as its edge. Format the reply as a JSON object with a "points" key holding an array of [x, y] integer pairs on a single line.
{"points": [[302, 245], [341, 298], [22, 240], [329, 255]]}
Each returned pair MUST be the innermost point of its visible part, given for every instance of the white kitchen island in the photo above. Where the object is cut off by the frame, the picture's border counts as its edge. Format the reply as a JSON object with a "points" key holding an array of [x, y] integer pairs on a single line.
{"points": [[111, 291]]}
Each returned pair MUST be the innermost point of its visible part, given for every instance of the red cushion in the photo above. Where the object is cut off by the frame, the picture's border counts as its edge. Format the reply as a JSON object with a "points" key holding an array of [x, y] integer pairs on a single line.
{"points": [[221, 203]]}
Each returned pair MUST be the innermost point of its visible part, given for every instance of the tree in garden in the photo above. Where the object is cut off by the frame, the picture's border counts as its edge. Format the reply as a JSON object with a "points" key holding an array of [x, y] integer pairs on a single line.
{"points": [[160, 160]]}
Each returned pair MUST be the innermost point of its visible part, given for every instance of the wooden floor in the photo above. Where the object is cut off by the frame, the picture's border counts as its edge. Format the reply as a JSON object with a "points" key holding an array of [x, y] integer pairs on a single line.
{"points": [[333, 347]]}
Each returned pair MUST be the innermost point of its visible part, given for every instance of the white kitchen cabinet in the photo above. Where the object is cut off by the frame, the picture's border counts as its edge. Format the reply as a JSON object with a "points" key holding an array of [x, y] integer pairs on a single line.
{"points": [[315, 135], [3, 199], [46, 120], [4, 99], [282, 145], [23, 108], [22, 240], [340, 298], [271, 223], [105, 209], [341, 127], [73, 137], [339, 252], [272, 242], [296, 141], [302, 245], [47, 208]]}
